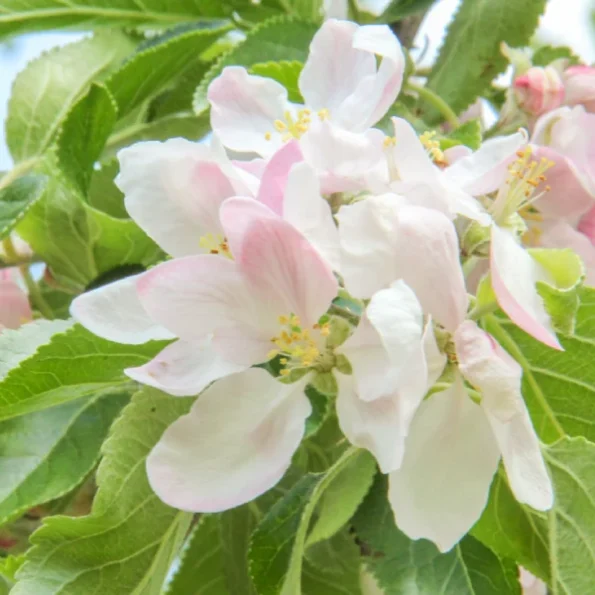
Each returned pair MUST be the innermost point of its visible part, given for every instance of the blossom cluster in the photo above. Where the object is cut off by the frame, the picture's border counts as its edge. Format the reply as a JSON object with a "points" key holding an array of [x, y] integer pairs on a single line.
{"points": [[303, 236]]}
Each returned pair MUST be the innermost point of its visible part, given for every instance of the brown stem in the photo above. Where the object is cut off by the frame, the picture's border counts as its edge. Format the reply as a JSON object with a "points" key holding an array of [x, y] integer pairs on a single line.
{"points": [[406, 28]]}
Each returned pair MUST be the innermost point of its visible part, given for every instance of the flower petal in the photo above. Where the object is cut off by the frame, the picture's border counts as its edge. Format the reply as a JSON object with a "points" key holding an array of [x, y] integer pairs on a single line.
{"points": [[275, 176], [244, 108], [235, 444], [378, 426], [514, 278], [485, 170], [184, 368], [15, 309], [450, 459], [306, 209], [115, 312]]}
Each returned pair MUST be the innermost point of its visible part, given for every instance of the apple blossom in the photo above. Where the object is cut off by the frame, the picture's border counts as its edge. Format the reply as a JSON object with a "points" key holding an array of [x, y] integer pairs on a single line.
{"points": [[340, 82], [579, 85], [14, 302], [539, 90]]}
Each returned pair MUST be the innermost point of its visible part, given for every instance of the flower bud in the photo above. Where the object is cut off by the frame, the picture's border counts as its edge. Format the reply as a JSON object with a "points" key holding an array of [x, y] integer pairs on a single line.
{"points": [[539, 90], [579, 83], [476, 240]]}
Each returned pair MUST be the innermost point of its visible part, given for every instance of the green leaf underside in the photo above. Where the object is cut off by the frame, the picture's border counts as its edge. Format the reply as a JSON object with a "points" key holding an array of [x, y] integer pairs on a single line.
{"points": [[399, 9], [127, 543], [44, 455], [274, 40], [470, 57], [17, 198], [74, 364], [401, 565], [285, 72]]}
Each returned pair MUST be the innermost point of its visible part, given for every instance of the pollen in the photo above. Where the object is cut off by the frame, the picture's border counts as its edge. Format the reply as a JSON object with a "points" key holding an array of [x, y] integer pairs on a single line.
{"points": [[215, 244], [292, 126], [433, 147], [324, 114], [268, 136], [389, 141]]}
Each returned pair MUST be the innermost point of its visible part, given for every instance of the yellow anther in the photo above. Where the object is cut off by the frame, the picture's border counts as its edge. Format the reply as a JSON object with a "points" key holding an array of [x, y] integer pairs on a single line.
{"points": [[283, 360], [272, 353], [268, 136], [215, 245], [324, 114], [433, 147], [389, 141], [284, 372], [283, 319], [280, 126]]}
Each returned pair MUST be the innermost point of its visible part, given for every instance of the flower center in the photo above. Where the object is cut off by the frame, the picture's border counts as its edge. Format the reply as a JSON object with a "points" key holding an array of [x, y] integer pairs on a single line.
{"points": [[295, 127], [297, 346], [215, 244], [526, 176], [433, 147]]}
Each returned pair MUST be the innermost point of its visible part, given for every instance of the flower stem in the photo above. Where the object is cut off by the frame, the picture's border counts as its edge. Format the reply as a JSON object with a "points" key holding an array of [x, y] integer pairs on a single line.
{"points": [[435, 101]]}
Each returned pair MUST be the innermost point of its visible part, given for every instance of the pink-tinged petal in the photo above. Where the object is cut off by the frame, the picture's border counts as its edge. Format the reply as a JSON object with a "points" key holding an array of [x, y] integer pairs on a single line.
{"points": [[275, 174], [453, 154], [559, 234], [530, 584], [334, 68], [195, 295], [184, 368], [235, 444], [306, 209], [15, 309], [579, 85], [450, 459], [514, 278], [569, 195], [539, 90], [376, 92], [115, 312], [386, 350], [280, 266], [244, 108], [486, 169], [377, 426], [345, 161], [427, 254], [255, 167], [411, 161], [368, 231]]}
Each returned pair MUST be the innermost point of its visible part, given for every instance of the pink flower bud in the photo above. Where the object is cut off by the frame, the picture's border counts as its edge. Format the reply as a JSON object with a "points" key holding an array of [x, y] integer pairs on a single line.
{"points": [[539, 90], [579, 83]]}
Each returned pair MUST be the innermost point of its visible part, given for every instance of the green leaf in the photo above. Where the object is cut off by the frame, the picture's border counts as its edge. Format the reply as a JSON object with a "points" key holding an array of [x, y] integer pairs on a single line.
{"points": [[547, 54], [44, 93], [16, 198], [44, 455], [150, 70], [470, 56], [103, 194], [558, 386], [74, 364], [10, 565], [277, 548], [468, 134], [401, 565], [84, 133], [201, 566], [127, 543], [21, 16], [308, 10], [277, 39], [78, 242], [285, 72], [343, 497], [399, 9]]}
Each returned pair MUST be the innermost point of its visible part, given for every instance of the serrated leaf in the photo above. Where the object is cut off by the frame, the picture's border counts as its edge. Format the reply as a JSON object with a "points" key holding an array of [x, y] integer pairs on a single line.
{"points": [[277, 39], [342, 498], [85, 130], [309, 10], [558, 386], [277, 548], [470, 56], [285, 72], [17, 197], [468, 134], [21, 16], [103, 194], [78, 242], [154, 67], [10, 565], [44, 455], [401, 565], [200, 570], [129, 540], [547, 54], [43, 93], [72, 365]]}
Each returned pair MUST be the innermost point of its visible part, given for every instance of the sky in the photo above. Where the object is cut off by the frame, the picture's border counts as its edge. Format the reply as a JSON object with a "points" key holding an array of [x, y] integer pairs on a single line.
{"points": [[560, 24]]}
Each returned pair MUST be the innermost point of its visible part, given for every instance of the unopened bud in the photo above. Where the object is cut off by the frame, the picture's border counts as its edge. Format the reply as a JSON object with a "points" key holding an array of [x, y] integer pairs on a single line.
{"points": [[539, 90], [579, 82], [476, 240]]}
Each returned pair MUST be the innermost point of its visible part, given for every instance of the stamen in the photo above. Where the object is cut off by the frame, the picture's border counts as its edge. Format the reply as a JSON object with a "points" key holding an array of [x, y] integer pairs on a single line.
{"points": [[215, 245], [433, 147]]}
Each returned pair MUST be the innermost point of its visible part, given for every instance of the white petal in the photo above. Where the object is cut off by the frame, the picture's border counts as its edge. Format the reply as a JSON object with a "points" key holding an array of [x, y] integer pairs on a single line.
{"points": [[244, 108], [514, 278], [485, 170], [450, 459], [114, 312], [235, 444], [305, 208], [377, 426], [184, 368]]}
